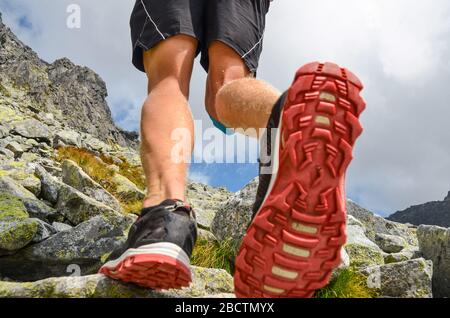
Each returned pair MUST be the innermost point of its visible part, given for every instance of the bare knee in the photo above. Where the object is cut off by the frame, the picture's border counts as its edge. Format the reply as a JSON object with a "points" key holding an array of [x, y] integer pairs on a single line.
{"points": [[225, 66]]}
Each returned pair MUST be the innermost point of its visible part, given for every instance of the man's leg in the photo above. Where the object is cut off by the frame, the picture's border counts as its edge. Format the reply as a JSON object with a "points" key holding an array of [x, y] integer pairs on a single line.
{"points": [[160, 243], [168, 67], [233, 96]]}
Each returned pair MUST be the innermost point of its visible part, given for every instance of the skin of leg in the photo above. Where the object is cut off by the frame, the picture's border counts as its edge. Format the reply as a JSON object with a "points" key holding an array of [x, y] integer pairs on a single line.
{"points": [[233, 96], [169, 67]]}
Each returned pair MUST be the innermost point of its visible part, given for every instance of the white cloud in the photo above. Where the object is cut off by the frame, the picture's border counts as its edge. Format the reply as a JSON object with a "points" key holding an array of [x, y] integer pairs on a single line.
{"points": [[400, 49], [201, 177]]}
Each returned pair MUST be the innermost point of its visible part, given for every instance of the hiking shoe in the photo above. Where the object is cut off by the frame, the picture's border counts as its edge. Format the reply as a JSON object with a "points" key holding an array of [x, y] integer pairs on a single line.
{"points": [[159, 246], [298, 229]]}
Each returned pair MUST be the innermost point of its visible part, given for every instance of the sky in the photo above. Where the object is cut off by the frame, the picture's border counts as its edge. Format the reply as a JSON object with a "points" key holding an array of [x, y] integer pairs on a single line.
{"points": [[399, 48]]}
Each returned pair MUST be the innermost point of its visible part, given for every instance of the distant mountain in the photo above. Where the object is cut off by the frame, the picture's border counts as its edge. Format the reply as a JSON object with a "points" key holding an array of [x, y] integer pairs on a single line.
{"points": [[431, 213]]}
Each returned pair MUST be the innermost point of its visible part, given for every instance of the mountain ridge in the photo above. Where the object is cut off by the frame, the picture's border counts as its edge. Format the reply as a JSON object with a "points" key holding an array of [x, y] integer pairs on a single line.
{"points": [[429, 213], [74, 94]]}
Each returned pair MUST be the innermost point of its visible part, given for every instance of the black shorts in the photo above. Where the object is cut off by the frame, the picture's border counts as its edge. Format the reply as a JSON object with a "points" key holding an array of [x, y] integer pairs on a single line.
{"points": [[238, 23]]}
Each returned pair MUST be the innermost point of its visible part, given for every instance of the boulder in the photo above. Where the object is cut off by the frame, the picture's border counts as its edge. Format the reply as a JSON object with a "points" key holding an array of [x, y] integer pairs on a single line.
{"points": [[59, 227], [361, 251], [232, 219], [205, 201], [67, 137], [127, 189], [77, 207], [34, 207], [390, 243], [375, 224], [82, 247], [205, 283], [206, 235], [94, 144], [44, 231], [406, 254], [434, 244], [32, 129], [7, 153], [74, 176], [16, 229], [49, 185], [23, 173], [410, 279], [15, 148], [15, 235]]}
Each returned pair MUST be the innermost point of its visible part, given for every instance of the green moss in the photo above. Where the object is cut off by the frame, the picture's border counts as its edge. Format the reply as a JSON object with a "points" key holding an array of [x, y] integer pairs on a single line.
{"points": [[104, 257], [348, 284], [364, 255], [395, 258], [4, 91], [65, 255], [11, 208], [15, 235], [213, 254]]}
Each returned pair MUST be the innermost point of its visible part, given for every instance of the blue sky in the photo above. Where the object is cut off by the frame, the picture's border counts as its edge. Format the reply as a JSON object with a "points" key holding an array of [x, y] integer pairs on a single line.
{"points": [[400, 49]]}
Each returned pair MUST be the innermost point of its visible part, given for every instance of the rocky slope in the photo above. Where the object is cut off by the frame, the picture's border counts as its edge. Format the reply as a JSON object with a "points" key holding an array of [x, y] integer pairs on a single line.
{"points": [[431, 213], [61, 92]]}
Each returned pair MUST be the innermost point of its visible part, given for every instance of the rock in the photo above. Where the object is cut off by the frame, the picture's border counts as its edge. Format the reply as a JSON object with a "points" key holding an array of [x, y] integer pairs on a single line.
{"points": [[11, 208], [3, 132], [34, 207], [410, 279], [345, 263], [206, 283], [234, 216], [60, 227], [9, 185], [15, 235], [362, 251], [17, 230], [405, 255], [23, 173], [15, 148], [94, 144], [40, 210], [68, 137], [376, 224], [127, 189], [44, 231], [49, 185], [434, 244], [6, 152], [77, 207], [74, 176], [82, 247], [205, 201], [32, 129], [206, 235], [390, 243]]}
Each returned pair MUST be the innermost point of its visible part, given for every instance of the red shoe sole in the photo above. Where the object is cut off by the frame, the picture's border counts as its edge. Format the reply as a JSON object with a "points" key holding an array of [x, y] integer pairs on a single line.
{"points": [[151, 271], [294, 242]]}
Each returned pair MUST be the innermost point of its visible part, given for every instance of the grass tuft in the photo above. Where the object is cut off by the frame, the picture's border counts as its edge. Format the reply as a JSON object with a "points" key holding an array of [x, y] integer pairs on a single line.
{"points": [[134, 173], [348, 284], [213, 254]]}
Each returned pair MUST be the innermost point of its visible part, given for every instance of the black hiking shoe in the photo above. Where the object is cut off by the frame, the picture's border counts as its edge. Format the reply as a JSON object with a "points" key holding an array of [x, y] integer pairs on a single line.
{"points": [[159, 246]]}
